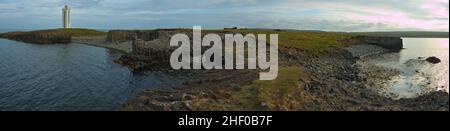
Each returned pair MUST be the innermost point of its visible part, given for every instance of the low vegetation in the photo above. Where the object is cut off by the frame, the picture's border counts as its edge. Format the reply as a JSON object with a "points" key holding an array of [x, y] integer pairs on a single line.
{"points": [[51, 36], [310, 41], [282, 93], [71, 32]]}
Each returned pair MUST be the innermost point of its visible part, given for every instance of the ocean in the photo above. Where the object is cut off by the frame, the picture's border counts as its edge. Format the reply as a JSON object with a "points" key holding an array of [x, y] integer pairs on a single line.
{"points": [[70, 77]]}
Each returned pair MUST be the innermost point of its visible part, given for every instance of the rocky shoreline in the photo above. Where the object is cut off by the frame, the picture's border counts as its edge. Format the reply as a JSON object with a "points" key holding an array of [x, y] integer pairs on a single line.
{"points": [[334, 82], [100, 41], [340, 78]]}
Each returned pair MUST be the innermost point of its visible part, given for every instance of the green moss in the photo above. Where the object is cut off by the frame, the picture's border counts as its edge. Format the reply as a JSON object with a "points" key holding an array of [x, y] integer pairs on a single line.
{"points": [[58, 32], [282, 93], [51, 36], [73, 32], [310, 41]]}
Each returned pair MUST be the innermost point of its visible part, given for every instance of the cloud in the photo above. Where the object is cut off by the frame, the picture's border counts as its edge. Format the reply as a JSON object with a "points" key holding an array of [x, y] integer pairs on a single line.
{"points": [[333, 15]]}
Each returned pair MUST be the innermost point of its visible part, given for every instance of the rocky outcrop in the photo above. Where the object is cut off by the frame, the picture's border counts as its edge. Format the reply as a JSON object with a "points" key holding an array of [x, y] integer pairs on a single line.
{"points": [[51, 36], [335, 81], [150, 49], [395, 43], [433, 60], [146, 54], [117, 36], [334, 84], [40, 37]]}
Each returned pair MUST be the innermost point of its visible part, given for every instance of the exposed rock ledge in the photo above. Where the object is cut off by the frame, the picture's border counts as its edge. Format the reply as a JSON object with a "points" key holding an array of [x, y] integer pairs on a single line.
{"points": [[50, 36], [395, 43], [333, 85], [38, 37], [334, 82]]}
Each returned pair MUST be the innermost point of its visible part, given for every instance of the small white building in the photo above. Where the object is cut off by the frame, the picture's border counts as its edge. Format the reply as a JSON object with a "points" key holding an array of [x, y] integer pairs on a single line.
{"points": [[66, 17]]}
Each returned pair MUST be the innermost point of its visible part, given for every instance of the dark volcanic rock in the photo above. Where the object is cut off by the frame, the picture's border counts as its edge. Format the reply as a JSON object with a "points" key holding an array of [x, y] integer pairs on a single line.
{"points": [[395, 43], [51, 36], [435, 101], [119, 36], [433, 60], [335, 83], [128, 35], [38, 37], [146, 35]]}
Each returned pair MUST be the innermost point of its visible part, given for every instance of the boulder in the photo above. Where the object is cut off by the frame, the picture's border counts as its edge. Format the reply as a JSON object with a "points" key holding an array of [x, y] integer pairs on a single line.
{"points": [[433, 60]]}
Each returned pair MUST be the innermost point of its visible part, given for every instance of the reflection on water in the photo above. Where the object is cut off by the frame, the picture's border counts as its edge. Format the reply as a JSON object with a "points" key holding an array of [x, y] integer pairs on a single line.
{"points": [[69, 77], [417, 76], [423, 48]]}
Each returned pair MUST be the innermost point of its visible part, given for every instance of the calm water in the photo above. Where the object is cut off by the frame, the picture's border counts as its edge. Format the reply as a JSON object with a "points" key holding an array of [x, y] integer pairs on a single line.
{"points": [[69, 77], [418, 77], [438, 47]]}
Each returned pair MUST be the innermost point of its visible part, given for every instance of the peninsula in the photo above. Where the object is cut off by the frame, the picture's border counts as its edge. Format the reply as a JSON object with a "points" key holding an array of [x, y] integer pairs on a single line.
{"points": [[51, 36]]}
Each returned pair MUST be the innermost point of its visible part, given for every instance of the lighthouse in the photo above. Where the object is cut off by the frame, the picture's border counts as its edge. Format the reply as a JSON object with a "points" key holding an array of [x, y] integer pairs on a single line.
{"points": [[66, 17]]}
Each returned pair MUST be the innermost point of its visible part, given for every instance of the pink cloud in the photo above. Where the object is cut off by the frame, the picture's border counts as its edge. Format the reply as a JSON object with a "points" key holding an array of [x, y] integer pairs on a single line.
{"points": [[420, 15], [436, 8], [403, 19]]}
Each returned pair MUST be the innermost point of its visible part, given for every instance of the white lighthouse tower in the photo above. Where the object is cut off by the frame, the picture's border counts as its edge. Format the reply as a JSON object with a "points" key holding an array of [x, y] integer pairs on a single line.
{"points": [[66, 17]]}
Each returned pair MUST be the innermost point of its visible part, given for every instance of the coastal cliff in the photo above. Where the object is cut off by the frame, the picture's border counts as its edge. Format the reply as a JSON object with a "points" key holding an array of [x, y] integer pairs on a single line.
{"points": [[395, 43], [38, 37], [51, 36], [149, 48], [318, 71], [117, 36]]}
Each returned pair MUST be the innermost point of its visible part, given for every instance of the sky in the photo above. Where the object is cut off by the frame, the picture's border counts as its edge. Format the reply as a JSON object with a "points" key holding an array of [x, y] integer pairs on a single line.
{"points": [[328, 15]]}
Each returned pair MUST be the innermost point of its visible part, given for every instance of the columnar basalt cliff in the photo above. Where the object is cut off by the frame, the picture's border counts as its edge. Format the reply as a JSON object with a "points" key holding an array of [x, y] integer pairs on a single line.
{"points": [[38, 37], [50, 36], [146, 53], [118, 36], [395, 43], [150, 48]]}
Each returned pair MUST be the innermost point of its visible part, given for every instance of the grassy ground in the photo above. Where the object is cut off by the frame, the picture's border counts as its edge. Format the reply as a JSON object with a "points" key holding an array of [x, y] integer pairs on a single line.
{"points": [[73, 32], [312, 42], [279, 94], [285, 92], [51, 36], [68, 32]]}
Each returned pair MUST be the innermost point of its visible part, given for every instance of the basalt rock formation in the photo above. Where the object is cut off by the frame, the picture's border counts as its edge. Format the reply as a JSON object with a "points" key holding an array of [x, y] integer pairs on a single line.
{"points": [[433, 60], [394, 43], [150, 48], [38, 37], [333, 81], [51, 36], [117, 36]]}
